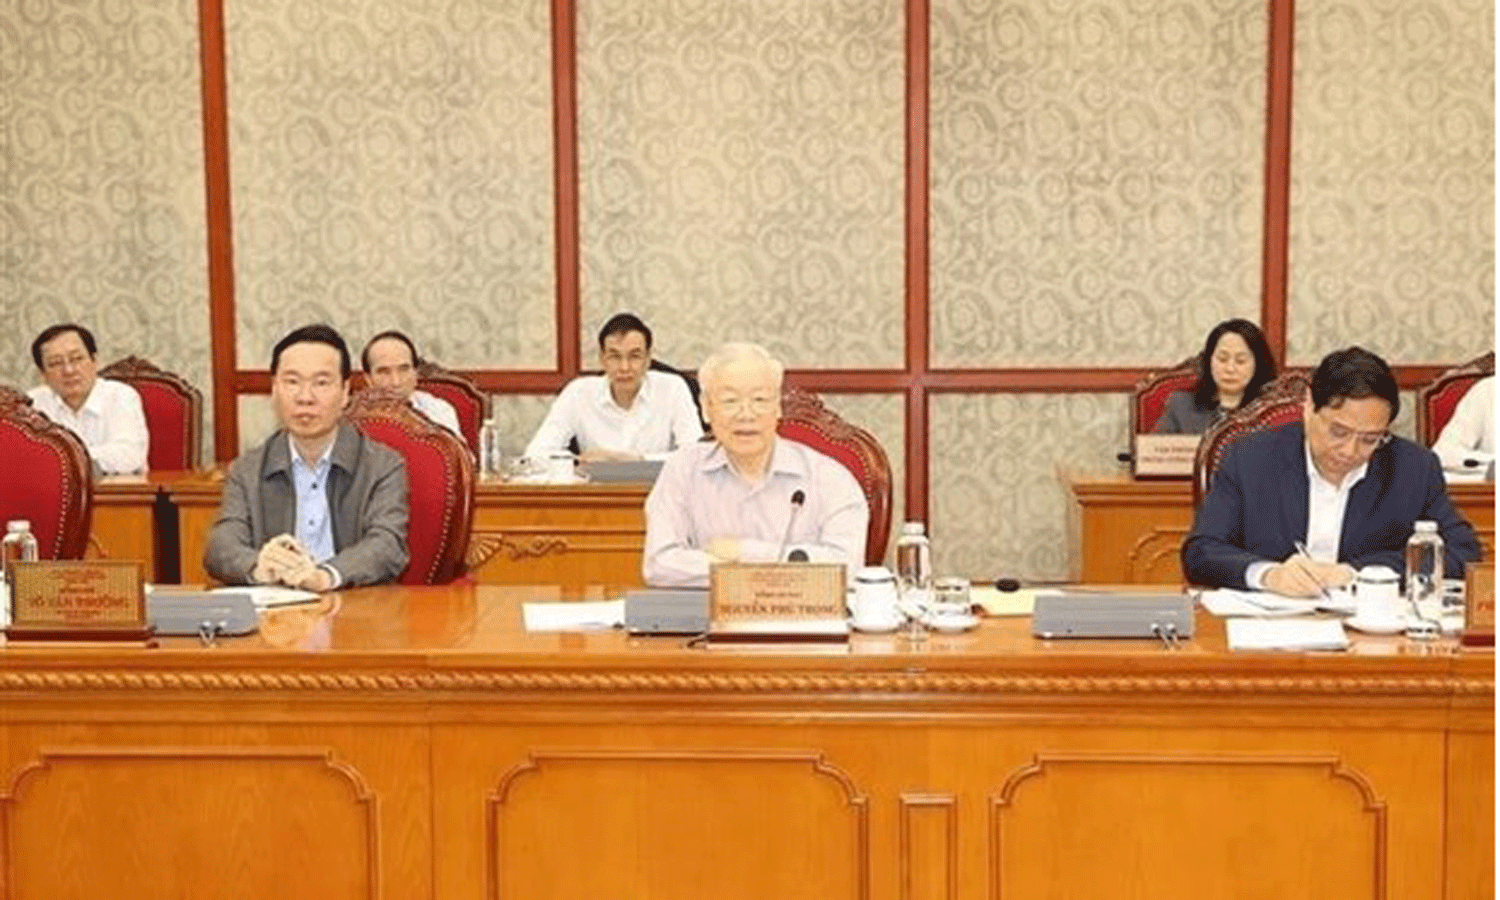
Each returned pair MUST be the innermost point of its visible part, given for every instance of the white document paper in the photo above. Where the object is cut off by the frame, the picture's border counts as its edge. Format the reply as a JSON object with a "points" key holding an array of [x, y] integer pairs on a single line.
{"points": [[596, 615], [1286, 634], [1264, 604], [996, 602], [265, 596]]}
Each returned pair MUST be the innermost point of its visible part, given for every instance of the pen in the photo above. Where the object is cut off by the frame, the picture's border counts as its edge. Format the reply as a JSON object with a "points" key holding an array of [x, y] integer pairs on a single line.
{"points": [[1322, 588]]}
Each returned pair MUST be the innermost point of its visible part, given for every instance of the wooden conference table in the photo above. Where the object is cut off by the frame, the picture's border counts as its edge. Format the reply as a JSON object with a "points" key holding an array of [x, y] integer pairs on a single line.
{"points": [[1132, 530], [523, 534], [417, 743]]}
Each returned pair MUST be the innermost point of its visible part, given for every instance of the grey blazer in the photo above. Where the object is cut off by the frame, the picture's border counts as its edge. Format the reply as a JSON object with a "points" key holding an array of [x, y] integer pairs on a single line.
{"points": [[367, 500], [1182, 416]]}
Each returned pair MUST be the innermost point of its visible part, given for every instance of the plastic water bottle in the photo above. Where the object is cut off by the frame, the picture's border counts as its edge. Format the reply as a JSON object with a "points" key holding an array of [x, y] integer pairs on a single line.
{"points": [[490, 461], [1424, 569], [19, 545], [913, 558]]}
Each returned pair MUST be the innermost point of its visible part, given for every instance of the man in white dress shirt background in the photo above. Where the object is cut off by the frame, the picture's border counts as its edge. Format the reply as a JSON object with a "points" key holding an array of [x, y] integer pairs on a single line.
{"points": [[390, 360], [629, 412], [748, 495], [106, 415]]}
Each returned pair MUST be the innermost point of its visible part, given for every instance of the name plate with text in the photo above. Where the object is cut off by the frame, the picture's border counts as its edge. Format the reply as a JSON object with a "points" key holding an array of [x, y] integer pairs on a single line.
{"points": [[1165, 455], [1479, 605], [83, 601], [777, 602]]}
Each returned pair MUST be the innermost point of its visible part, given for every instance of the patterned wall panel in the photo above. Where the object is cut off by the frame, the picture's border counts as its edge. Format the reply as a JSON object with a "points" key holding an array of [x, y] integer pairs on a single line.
{"points": [[101, 184], [1000, 503], [392, 167], [1393, 182], [742, 174], [1096, 178]]}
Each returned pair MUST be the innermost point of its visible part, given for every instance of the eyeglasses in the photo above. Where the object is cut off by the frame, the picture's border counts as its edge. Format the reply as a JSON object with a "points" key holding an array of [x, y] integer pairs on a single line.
{"points": [[1365, 440], [756, 406], [616, 359], [292, 386]]}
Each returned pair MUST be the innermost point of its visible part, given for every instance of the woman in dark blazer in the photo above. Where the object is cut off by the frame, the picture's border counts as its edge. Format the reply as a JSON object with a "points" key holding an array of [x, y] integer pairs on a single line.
{"points": [[1234, 365]]}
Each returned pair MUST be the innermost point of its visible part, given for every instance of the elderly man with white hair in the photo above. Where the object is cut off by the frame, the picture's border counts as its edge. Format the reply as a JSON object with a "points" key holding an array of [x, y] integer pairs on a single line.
{"points": [[748, 495]]}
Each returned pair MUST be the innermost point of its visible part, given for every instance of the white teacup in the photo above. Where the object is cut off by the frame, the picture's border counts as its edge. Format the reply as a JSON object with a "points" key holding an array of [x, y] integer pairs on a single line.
{"points": [[560, 467], [1377, 594], [874, 601]]}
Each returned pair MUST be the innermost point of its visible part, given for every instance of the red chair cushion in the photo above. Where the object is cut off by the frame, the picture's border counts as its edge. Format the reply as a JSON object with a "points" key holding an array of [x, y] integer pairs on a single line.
{"points": [[39, 483], [470, 414], [168, 415], [1443, 401], [431, 478], [1151, 402]]}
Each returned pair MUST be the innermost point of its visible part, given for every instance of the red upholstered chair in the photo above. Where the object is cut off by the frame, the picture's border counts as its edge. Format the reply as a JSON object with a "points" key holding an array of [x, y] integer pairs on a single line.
{"points": [[1436, 401], [440, 471], [1153, 391], [44, 478], [472, 406], [174, 412], [1280, 402], [806, 420]]}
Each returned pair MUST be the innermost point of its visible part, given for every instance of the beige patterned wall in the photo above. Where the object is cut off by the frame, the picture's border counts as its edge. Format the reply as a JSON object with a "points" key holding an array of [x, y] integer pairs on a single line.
{"points": [[1001, 466], [392, 167], [1393, 180], [742, 174], [101, 185], [1096, 178]]}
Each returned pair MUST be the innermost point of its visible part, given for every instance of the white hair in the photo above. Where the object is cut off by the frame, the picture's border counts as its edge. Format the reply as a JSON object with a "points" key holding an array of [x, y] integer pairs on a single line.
{"points": [[738, 351]]}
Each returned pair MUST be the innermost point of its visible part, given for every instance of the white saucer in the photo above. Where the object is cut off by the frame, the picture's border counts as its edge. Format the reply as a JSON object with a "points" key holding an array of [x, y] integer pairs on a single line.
{"points": [[952, 622], [1393, 625], [876, 626]]}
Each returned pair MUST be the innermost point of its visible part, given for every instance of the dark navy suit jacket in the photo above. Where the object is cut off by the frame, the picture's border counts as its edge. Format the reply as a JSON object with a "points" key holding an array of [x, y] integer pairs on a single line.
{"points": [[1257, 507]]}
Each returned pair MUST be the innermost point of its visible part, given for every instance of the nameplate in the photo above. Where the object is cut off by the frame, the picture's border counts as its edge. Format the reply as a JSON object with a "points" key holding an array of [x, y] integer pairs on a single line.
{"points": [[1479, 605], [82, 601], [777, 601], [1165, 455]]}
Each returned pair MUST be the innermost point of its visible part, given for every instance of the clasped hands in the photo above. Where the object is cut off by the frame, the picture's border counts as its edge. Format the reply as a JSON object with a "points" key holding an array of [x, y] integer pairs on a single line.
{"points": [[284, 560], [1302, 576]]}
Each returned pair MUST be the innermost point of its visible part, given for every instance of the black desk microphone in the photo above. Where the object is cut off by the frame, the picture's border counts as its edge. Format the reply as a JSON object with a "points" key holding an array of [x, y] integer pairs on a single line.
{"points": [[798, 498]]}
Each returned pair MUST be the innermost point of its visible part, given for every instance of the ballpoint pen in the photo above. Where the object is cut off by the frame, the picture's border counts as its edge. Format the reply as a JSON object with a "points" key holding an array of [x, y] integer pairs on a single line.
{"points": [[1322, 588]]}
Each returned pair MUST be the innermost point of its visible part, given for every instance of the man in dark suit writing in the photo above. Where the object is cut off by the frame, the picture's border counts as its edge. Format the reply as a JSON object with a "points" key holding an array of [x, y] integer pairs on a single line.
{"points": [[1337, 482]]}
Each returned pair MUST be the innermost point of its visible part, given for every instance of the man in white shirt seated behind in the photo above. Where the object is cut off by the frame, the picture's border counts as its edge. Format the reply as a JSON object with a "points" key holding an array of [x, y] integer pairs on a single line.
{"points": [[1470, 432], [748, 495], [629, 412], [390, 361], [106, 415]]}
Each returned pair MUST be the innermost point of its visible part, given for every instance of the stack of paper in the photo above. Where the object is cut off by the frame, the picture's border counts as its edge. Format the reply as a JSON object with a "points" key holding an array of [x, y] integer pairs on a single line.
{"points": [[265, 596], [1286, 634], [591, 616], [1229, 602]]}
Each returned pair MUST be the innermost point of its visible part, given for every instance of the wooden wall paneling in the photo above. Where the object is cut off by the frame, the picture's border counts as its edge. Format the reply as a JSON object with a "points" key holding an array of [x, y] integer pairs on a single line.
{"points": [[929, 847], [218, 202], [1281, 40]]}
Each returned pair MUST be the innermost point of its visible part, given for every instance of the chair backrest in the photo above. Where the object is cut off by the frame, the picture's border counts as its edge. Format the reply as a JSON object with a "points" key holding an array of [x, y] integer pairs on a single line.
{"points": [[44, 478], [1280, 402], [690, 378], [440, 471], [806, 420], [1149, 400], [174, 412], [1436, 401], [471, 405]]}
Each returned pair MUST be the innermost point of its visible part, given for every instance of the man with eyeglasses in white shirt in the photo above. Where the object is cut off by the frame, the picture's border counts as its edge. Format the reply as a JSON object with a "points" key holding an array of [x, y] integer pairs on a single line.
{"points": [[106, 415], [1338, 483], [630, 412], [748, 495]]}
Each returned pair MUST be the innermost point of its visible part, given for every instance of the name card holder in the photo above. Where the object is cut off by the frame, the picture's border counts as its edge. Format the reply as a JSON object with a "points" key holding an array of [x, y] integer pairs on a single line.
{"points": [[94, 603], [1164, 455], [1479, 605], [792, 602]]}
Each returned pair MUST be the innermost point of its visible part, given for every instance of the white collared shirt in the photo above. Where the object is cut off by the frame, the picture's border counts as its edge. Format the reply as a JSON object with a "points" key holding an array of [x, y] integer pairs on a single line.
{"points": [[437, 409], [699, 497], [662, 418], [1471, 428], [111, 423], [1326, 504]]}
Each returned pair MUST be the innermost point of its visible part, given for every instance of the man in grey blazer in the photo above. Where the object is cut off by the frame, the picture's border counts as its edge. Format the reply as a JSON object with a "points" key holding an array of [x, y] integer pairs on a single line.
{"points": [[317, 506]]}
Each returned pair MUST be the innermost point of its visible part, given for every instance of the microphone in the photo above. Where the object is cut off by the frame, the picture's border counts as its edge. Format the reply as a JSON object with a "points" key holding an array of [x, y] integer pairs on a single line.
{"points": [[798, 498], [1124, 456]]}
